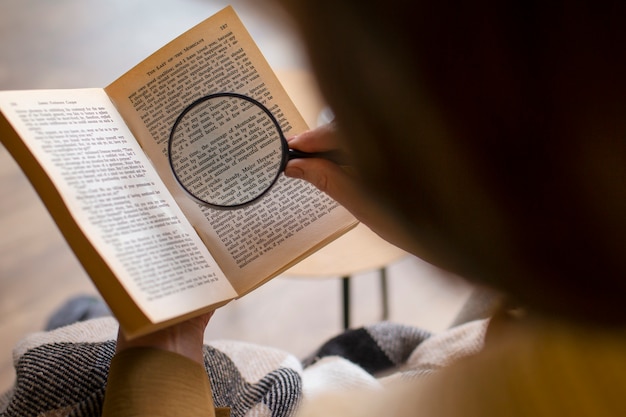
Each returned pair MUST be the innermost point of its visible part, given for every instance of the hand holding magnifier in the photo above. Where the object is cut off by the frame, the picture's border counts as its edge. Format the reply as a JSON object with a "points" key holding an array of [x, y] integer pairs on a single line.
{"points": [[227, 150]]}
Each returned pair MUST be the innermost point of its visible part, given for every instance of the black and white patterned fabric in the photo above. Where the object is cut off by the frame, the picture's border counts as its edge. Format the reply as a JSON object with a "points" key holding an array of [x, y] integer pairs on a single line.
{"points": [[375, 348], [64, 371]]}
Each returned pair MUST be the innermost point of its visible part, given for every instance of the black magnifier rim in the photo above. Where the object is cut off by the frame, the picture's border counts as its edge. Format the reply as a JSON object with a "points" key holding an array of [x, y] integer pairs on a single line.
{"points": [[283, 145]]}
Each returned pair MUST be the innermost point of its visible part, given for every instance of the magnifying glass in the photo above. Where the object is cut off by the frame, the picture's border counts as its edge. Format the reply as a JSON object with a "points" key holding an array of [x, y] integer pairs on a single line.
{"points": [[227, 150]]}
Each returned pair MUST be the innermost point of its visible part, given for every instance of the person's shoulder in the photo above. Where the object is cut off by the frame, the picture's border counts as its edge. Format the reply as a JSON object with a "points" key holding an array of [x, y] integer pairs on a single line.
{"points": [[541, 367]]}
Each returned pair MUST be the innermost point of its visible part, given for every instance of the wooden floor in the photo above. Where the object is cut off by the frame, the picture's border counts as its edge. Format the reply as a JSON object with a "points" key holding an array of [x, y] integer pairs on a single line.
{"points": [[84, 43]]}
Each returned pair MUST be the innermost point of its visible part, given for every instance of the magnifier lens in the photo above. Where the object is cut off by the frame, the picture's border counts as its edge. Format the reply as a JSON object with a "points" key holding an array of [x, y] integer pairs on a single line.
{"points": [[226, 150]]}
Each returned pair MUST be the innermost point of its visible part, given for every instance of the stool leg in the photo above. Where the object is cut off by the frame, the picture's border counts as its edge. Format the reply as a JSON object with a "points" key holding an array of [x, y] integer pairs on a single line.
{"points": [[345, 286], [384, 293]]}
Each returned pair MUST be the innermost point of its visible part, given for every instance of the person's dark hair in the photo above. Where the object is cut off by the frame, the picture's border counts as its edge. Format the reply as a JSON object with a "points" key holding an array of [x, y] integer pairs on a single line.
{"points": [[495, 131]]}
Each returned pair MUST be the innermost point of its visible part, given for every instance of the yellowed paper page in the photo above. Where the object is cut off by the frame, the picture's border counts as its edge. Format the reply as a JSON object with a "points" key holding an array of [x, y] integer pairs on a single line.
{"points": [[257, 242], [117, 200]]}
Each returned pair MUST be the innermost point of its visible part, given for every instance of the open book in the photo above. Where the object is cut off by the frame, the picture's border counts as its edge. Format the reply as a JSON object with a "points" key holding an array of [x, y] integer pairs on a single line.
{"points": [[98, 160]]}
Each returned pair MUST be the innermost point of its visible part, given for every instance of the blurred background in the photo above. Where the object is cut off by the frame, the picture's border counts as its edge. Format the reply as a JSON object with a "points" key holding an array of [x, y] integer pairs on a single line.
{"points": [[87, 43]]}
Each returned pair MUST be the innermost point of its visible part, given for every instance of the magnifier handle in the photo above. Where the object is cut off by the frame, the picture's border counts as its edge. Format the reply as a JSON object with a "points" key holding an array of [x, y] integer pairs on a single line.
{"points": [[337, 157]]}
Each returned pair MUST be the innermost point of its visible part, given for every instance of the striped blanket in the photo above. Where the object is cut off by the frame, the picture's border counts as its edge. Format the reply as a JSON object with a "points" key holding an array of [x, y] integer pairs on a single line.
{"points": [[64, 371]]}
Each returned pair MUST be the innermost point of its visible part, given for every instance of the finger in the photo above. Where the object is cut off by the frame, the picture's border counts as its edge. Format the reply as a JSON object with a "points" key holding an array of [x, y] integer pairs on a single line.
{"points": [[323, 138], [347, 191], [202, 320], [329, 178]]}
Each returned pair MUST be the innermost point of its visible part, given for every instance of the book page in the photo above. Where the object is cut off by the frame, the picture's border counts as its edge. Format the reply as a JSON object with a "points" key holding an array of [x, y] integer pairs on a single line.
{"points": [[117, 199], [257, 242]]}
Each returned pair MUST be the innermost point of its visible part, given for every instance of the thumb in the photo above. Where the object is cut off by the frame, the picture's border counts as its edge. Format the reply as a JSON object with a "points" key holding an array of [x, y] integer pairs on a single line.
{"points": [[328, 177], [316, 171], [333, 180]]}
